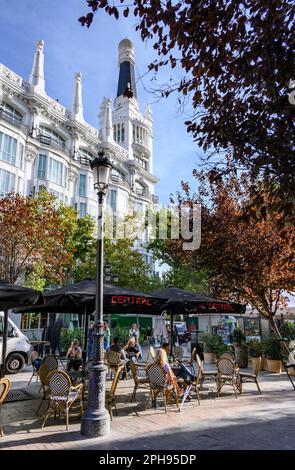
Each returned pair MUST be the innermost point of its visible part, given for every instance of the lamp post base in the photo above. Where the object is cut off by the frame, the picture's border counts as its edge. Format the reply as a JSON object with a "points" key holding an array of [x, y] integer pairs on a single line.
{"points": [[96, 419], [95, 424]]}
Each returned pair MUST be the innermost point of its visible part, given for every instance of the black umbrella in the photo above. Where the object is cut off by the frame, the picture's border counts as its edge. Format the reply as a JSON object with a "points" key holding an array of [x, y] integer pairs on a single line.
{"points": [[186, 303], [116, 299], [80, 298], [11, 296]]}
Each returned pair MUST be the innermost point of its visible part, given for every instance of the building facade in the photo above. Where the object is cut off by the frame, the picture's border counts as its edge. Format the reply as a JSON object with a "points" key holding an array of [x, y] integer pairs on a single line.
{"points": [[44, 145]]}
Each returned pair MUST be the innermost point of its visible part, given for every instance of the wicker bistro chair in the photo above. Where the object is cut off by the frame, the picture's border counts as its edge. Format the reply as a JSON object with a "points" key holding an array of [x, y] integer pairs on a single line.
{"points": [[111, 394], [51, 361], [227, 355], [227, 375], [212, 375], [139, 382], [158, 384], [34, 356], [62, 395], [4, 389], [245, 377], [43, 373], [114, 362]]}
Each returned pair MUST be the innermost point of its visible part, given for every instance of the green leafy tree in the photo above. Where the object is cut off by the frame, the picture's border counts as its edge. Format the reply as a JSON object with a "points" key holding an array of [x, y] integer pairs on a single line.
{"points": [[35, 238]]}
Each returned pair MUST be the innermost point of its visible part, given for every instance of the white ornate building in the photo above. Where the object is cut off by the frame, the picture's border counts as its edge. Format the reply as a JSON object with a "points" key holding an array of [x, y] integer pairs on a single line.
{"points": [[42, 144]]}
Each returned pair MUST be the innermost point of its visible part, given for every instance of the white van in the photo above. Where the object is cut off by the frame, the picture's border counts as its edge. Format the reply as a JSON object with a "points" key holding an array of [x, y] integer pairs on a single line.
{"points": [[19, 348]]}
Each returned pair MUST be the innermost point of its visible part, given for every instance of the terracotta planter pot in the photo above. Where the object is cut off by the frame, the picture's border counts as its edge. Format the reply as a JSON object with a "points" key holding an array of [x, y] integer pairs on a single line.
{"points": [[209, 358], [274, 365]]}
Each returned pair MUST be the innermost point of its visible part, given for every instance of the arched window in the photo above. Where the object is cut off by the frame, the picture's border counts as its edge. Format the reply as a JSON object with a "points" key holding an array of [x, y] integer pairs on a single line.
{"points": [[115, 132], [123, 133], [118, 133]]}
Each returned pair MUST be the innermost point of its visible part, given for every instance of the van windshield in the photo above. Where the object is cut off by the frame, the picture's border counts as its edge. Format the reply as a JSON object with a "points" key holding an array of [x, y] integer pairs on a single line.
{"points": [[10, 329]]}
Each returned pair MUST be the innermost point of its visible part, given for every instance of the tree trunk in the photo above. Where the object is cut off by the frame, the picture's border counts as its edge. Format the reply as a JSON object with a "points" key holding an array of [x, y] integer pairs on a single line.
{"points": [[278, 335]]}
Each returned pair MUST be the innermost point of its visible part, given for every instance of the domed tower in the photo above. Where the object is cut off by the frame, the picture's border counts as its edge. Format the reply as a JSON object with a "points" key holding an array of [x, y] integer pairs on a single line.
{"points": [[132, 129], [126, 81]]}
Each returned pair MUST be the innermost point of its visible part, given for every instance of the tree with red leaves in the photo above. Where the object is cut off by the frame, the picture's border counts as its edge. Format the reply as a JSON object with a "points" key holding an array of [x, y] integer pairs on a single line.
{"points": [[238, 63]]}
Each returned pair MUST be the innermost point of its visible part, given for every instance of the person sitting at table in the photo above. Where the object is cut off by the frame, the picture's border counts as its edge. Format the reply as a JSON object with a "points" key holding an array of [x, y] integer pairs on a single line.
{"points": [[132, 351], [118, 348], [74, 356], [161, 360]]}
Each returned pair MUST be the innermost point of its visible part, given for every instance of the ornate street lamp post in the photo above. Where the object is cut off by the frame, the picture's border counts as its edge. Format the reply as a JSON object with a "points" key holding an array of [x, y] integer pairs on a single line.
{"points": [[96, 420]]}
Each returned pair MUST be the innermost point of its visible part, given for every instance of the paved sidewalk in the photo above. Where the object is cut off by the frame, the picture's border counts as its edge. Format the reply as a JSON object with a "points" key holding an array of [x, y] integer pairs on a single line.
{"points": [[249, 422]]}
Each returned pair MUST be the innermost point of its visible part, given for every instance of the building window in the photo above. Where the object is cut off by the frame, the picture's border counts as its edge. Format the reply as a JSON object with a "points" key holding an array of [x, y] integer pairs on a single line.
{"points": [[20, 185], [85, 156], [55, 171], [117, 175], [42, 167], [139, 207], [21, 156], [57, 194], [123, 132], [8, 148], [113, 200], [7, 182], [142, 162], [47, 136], [115, 132], [83, 209], [10, 114], [82, 186]]}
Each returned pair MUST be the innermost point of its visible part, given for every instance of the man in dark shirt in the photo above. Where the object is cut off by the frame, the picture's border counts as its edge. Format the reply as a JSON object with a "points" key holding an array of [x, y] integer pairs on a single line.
{"points": [[117, 348]]}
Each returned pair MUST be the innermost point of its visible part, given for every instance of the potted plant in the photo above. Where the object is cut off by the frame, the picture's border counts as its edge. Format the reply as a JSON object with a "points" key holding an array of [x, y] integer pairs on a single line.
{"points": [[288, 332], [241, 348], [255, 351], [272, 350], [212, 345]]}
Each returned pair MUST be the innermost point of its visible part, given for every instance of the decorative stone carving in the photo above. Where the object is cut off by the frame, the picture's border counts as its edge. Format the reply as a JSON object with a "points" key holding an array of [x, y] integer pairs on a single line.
{"points": [[30, 155]]}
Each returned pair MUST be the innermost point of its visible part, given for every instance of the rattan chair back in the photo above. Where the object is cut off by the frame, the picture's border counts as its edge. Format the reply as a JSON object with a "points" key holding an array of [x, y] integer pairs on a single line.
{"points": [[227, 355], [226, 366], [156, 375], [59, 383], [113, 358], [43, 372], [115, 382], [4, 388], [51, 361]]}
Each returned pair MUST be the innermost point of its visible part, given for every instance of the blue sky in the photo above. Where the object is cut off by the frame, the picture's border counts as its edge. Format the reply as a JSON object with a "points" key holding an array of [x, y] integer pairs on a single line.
{"points": [[70, 48]]}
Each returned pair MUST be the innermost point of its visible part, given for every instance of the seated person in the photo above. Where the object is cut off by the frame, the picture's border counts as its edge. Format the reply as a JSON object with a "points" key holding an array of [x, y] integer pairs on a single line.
{"points": [[132, 351], [161, 360], [74, 356], [117, 348]]}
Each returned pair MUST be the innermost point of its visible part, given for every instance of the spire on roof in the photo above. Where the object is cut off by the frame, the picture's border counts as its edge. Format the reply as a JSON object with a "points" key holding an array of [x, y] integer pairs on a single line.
{"points": [[77, 104], [36, 79]]}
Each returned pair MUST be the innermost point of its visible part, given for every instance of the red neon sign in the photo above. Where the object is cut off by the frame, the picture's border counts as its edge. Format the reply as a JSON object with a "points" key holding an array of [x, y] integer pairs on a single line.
{"points": [[132, 300]]}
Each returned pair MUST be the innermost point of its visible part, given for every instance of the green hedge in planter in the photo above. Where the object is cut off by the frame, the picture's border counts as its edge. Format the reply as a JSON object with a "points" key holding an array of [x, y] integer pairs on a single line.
{"points": [[213, 343], [254, 348], [272, 348]]}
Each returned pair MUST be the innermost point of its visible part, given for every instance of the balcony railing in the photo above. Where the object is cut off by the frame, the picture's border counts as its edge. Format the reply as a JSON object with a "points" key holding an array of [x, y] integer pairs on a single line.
{"points": [[8, 117], [47, 140]]}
